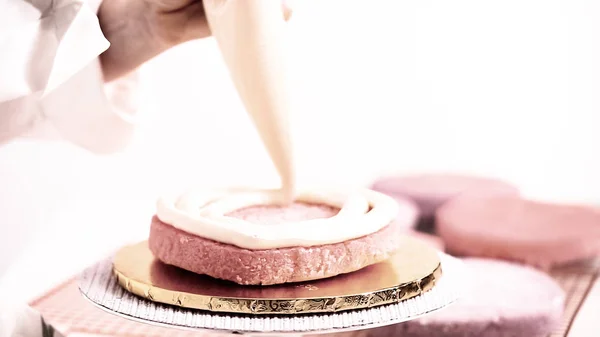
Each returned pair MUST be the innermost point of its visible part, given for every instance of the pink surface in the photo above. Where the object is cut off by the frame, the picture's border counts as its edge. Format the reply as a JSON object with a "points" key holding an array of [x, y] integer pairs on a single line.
{"points": [[430, 191], [73, 316], [515, 229], [432, 240], [273, 266], [502, 299]]}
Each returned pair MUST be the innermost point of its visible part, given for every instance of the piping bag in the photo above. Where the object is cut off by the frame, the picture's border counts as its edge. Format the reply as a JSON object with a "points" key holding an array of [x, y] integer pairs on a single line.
{"points": [[251, 37]]}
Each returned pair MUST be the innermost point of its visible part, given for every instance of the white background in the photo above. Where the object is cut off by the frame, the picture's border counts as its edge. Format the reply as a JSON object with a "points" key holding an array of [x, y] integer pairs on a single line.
{"points": [[501, 88]]}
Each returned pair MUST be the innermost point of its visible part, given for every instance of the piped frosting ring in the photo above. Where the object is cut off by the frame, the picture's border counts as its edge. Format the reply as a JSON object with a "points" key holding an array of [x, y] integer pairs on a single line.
{"points": [[204, 213]]}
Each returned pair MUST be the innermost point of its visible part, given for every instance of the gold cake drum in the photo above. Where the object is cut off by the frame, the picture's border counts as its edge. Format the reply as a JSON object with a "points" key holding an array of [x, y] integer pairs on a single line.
{"points": [[413, 269], [415, 281]]}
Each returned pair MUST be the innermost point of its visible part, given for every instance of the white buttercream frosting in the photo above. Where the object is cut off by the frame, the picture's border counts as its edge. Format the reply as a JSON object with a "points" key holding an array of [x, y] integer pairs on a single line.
{"points": [[201, 213]]}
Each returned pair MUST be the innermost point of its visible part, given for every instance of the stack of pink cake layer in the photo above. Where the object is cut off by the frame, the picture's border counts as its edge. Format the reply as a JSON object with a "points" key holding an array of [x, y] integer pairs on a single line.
{"points": [[507, 242], [281, 265]]}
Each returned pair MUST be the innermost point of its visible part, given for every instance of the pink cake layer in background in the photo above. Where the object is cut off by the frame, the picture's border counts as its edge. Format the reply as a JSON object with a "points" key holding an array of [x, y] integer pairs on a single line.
{"points": [[431, 240], [429, 191], [501, 299], [274, 266], [511, 228]]}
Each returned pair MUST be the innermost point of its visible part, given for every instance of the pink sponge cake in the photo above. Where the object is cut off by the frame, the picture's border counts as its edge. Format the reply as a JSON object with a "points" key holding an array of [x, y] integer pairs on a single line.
{"points": [[245, 239], [511, 228], [431, 240], [430, 191], [501, 299]]}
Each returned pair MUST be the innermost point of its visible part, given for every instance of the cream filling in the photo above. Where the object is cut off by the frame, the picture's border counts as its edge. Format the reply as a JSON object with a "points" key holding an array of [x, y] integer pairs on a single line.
{"points": [[203, 213]]}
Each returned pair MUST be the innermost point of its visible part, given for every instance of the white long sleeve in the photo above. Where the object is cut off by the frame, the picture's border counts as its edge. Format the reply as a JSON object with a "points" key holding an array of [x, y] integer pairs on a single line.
{"points": [[51, 82], [51, 87]]}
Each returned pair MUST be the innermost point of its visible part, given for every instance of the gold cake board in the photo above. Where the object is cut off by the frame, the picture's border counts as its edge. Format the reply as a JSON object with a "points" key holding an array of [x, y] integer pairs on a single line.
{"points": [[413, 270]]}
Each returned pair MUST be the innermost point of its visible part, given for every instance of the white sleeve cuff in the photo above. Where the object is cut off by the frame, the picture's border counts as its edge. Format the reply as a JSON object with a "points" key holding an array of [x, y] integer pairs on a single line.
{"points": [[52, 78]]}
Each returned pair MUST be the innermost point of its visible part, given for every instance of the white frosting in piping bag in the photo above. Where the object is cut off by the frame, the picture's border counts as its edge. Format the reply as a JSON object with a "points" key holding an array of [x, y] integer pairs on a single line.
{"points": [[251, 34], [203, 214]]}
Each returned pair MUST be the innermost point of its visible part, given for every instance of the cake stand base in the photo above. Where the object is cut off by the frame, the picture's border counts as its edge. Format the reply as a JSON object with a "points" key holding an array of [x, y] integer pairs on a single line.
{"points": [[99, 285]]}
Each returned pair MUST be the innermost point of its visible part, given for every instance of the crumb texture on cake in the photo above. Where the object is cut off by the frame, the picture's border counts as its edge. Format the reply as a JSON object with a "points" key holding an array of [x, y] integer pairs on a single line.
{"points": [[273, 215], [271, 266]]}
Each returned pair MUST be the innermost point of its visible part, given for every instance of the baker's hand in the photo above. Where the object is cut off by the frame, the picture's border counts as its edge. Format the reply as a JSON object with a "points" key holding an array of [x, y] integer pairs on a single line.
{"points": [[138, 30]]}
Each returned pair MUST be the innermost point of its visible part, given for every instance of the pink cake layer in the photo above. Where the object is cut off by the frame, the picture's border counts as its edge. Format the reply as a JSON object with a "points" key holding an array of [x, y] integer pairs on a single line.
{"points": [[273, 215], [432, 240], [511, 228], [501, 299], [273, 266], [429, 191]]}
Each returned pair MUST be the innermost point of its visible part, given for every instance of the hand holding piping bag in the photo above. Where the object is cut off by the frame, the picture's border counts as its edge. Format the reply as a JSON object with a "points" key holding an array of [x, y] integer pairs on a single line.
{"points": [[251, 36]]}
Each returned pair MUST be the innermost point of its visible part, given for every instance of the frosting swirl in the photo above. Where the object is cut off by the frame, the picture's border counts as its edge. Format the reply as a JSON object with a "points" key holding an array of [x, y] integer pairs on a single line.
{"points": [[204, 214]]}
